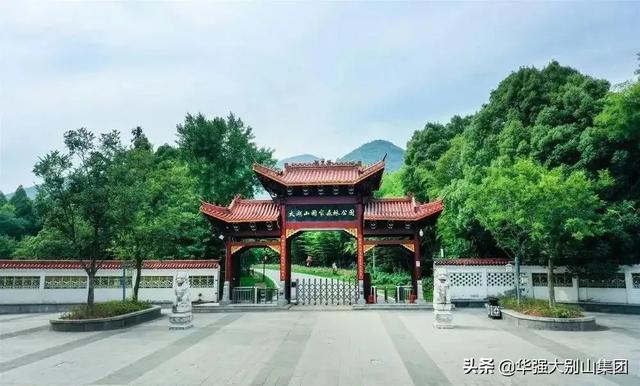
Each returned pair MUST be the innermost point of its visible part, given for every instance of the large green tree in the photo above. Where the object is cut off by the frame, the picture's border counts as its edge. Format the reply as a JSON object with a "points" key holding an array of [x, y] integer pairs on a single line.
{"points": [[555, 116], [423, 151], [391, 185], [74, 196], [18, 218], [537, 214], [612, 143], [154, 206], [220, 154]]}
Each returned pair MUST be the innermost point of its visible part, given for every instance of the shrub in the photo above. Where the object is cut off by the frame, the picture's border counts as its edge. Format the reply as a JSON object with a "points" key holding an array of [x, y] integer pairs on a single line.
{"points": [[105, 309], [427, 288], [538, 307], [385, 278]]}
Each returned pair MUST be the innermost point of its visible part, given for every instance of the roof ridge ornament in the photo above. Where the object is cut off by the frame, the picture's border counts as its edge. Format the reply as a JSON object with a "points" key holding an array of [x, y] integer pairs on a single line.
{"points": [[236, 198]]}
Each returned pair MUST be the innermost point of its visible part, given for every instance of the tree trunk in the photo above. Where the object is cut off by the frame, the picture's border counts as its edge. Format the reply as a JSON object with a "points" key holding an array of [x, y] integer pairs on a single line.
{"points": [[517, 278], [90, 297], [136, 286], [551, 284]]}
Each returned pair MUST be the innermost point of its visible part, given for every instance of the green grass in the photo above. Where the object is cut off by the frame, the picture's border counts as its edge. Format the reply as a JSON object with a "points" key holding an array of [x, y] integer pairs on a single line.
{"points": [[105, 310], [256, 281], [539, 307], [381, 278], [345, 274]]}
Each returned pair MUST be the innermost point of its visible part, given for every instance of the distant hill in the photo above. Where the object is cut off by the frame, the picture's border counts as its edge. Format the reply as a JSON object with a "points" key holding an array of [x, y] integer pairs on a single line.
{"points": [[374, 151], [368, 153], [296, 159], [31, 191]]}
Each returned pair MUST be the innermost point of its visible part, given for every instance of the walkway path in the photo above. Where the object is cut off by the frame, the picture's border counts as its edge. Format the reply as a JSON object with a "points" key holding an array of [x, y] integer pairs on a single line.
{"points": [[310, 348], [274, 275]]}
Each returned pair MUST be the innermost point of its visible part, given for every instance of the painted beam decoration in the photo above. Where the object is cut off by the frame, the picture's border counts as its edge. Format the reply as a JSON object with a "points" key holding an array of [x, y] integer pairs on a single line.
{"points": [[321, 212]]}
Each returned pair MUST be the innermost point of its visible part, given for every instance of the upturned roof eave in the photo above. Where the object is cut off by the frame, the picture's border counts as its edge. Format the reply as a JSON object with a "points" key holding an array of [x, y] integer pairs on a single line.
{"points": [[226, 215], [277, 175]]}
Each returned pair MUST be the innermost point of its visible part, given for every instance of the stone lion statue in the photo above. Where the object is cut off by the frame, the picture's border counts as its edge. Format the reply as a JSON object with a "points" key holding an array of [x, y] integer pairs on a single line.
{"points": [[183, 294], [441, 293]]}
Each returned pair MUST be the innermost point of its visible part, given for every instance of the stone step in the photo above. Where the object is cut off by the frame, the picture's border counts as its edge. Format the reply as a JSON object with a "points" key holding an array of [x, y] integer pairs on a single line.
{"points": [[393, 306], [239, 308]]}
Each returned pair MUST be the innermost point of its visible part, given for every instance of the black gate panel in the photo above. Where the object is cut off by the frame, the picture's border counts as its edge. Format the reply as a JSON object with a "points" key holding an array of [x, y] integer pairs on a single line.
{"points": [[325, 291]]}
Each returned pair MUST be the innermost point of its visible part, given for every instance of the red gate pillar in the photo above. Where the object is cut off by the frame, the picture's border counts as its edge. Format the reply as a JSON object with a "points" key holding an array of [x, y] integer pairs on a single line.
{"points": [[228, 273], [284, 266], [287, 279], [360, 241], [417, 270], [361, 295], [285, 275]]}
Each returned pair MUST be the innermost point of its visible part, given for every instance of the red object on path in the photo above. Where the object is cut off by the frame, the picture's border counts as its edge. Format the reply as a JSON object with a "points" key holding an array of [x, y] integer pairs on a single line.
{"points": [[412, 298]]}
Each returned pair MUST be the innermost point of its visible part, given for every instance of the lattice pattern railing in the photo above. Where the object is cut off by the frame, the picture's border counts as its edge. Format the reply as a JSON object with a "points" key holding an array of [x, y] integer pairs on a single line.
{"points": [[465, 279], [500, 279], [324, 291]]}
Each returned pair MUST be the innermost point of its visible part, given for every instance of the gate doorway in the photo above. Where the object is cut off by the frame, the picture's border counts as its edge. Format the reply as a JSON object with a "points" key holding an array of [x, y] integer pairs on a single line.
{"points": [[323, 268], [250, 284], [324, 292]]}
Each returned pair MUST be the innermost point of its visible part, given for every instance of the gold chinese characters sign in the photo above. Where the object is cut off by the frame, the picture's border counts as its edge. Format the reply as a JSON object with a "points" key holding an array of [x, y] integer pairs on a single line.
{"points": [[321, 212]]}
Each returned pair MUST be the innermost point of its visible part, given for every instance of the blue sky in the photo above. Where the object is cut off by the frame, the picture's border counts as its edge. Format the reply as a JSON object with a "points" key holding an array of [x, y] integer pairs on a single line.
{"points": [[318, 78]]}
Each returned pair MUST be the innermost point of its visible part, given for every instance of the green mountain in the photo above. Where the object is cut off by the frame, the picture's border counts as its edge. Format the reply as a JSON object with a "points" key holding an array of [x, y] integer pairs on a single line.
{"points": [[374, 151], [368, 153], [31, 191], [296, 159]]}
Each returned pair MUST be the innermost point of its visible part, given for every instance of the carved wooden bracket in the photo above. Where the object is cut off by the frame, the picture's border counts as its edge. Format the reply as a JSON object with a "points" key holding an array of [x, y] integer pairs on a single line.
{"points": [[291, 232], [352, 231], [368, 247], [409, 246], [274, 247]]}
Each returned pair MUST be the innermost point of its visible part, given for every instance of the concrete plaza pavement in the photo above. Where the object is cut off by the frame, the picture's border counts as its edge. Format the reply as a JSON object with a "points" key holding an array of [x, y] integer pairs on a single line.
{"points": [[314, 347]]}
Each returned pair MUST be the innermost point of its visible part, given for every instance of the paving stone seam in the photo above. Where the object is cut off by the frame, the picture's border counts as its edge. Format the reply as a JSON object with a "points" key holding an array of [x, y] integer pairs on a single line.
{"points": [[422, 369], [150, 361], [280, 367], [564, 352], [55, 350], [22, 332]]}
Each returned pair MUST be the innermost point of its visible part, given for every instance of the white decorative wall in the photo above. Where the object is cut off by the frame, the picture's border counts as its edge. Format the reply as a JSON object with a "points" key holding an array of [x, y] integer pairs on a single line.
{"points": [[23, 278], [475, 281]]}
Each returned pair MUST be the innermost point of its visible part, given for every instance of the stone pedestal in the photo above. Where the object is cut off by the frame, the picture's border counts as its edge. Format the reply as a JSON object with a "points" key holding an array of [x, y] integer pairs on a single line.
{"points": [[282, 299], [361, 299], [420, 294], [180, 320], [442, 317], [226, 294]]}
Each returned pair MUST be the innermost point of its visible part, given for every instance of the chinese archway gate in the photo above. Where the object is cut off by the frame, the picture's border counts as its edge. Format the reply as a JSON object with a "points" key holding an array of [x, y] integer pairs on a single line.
{"points": [[320, 196]]}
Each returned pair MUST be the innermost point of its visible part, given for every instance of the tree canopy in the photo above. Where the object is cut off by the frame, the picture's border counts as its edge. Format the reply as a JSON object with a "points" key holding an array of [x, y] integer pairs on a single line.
{"points": [[550, 144], [219, 154], [100, 199]]}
